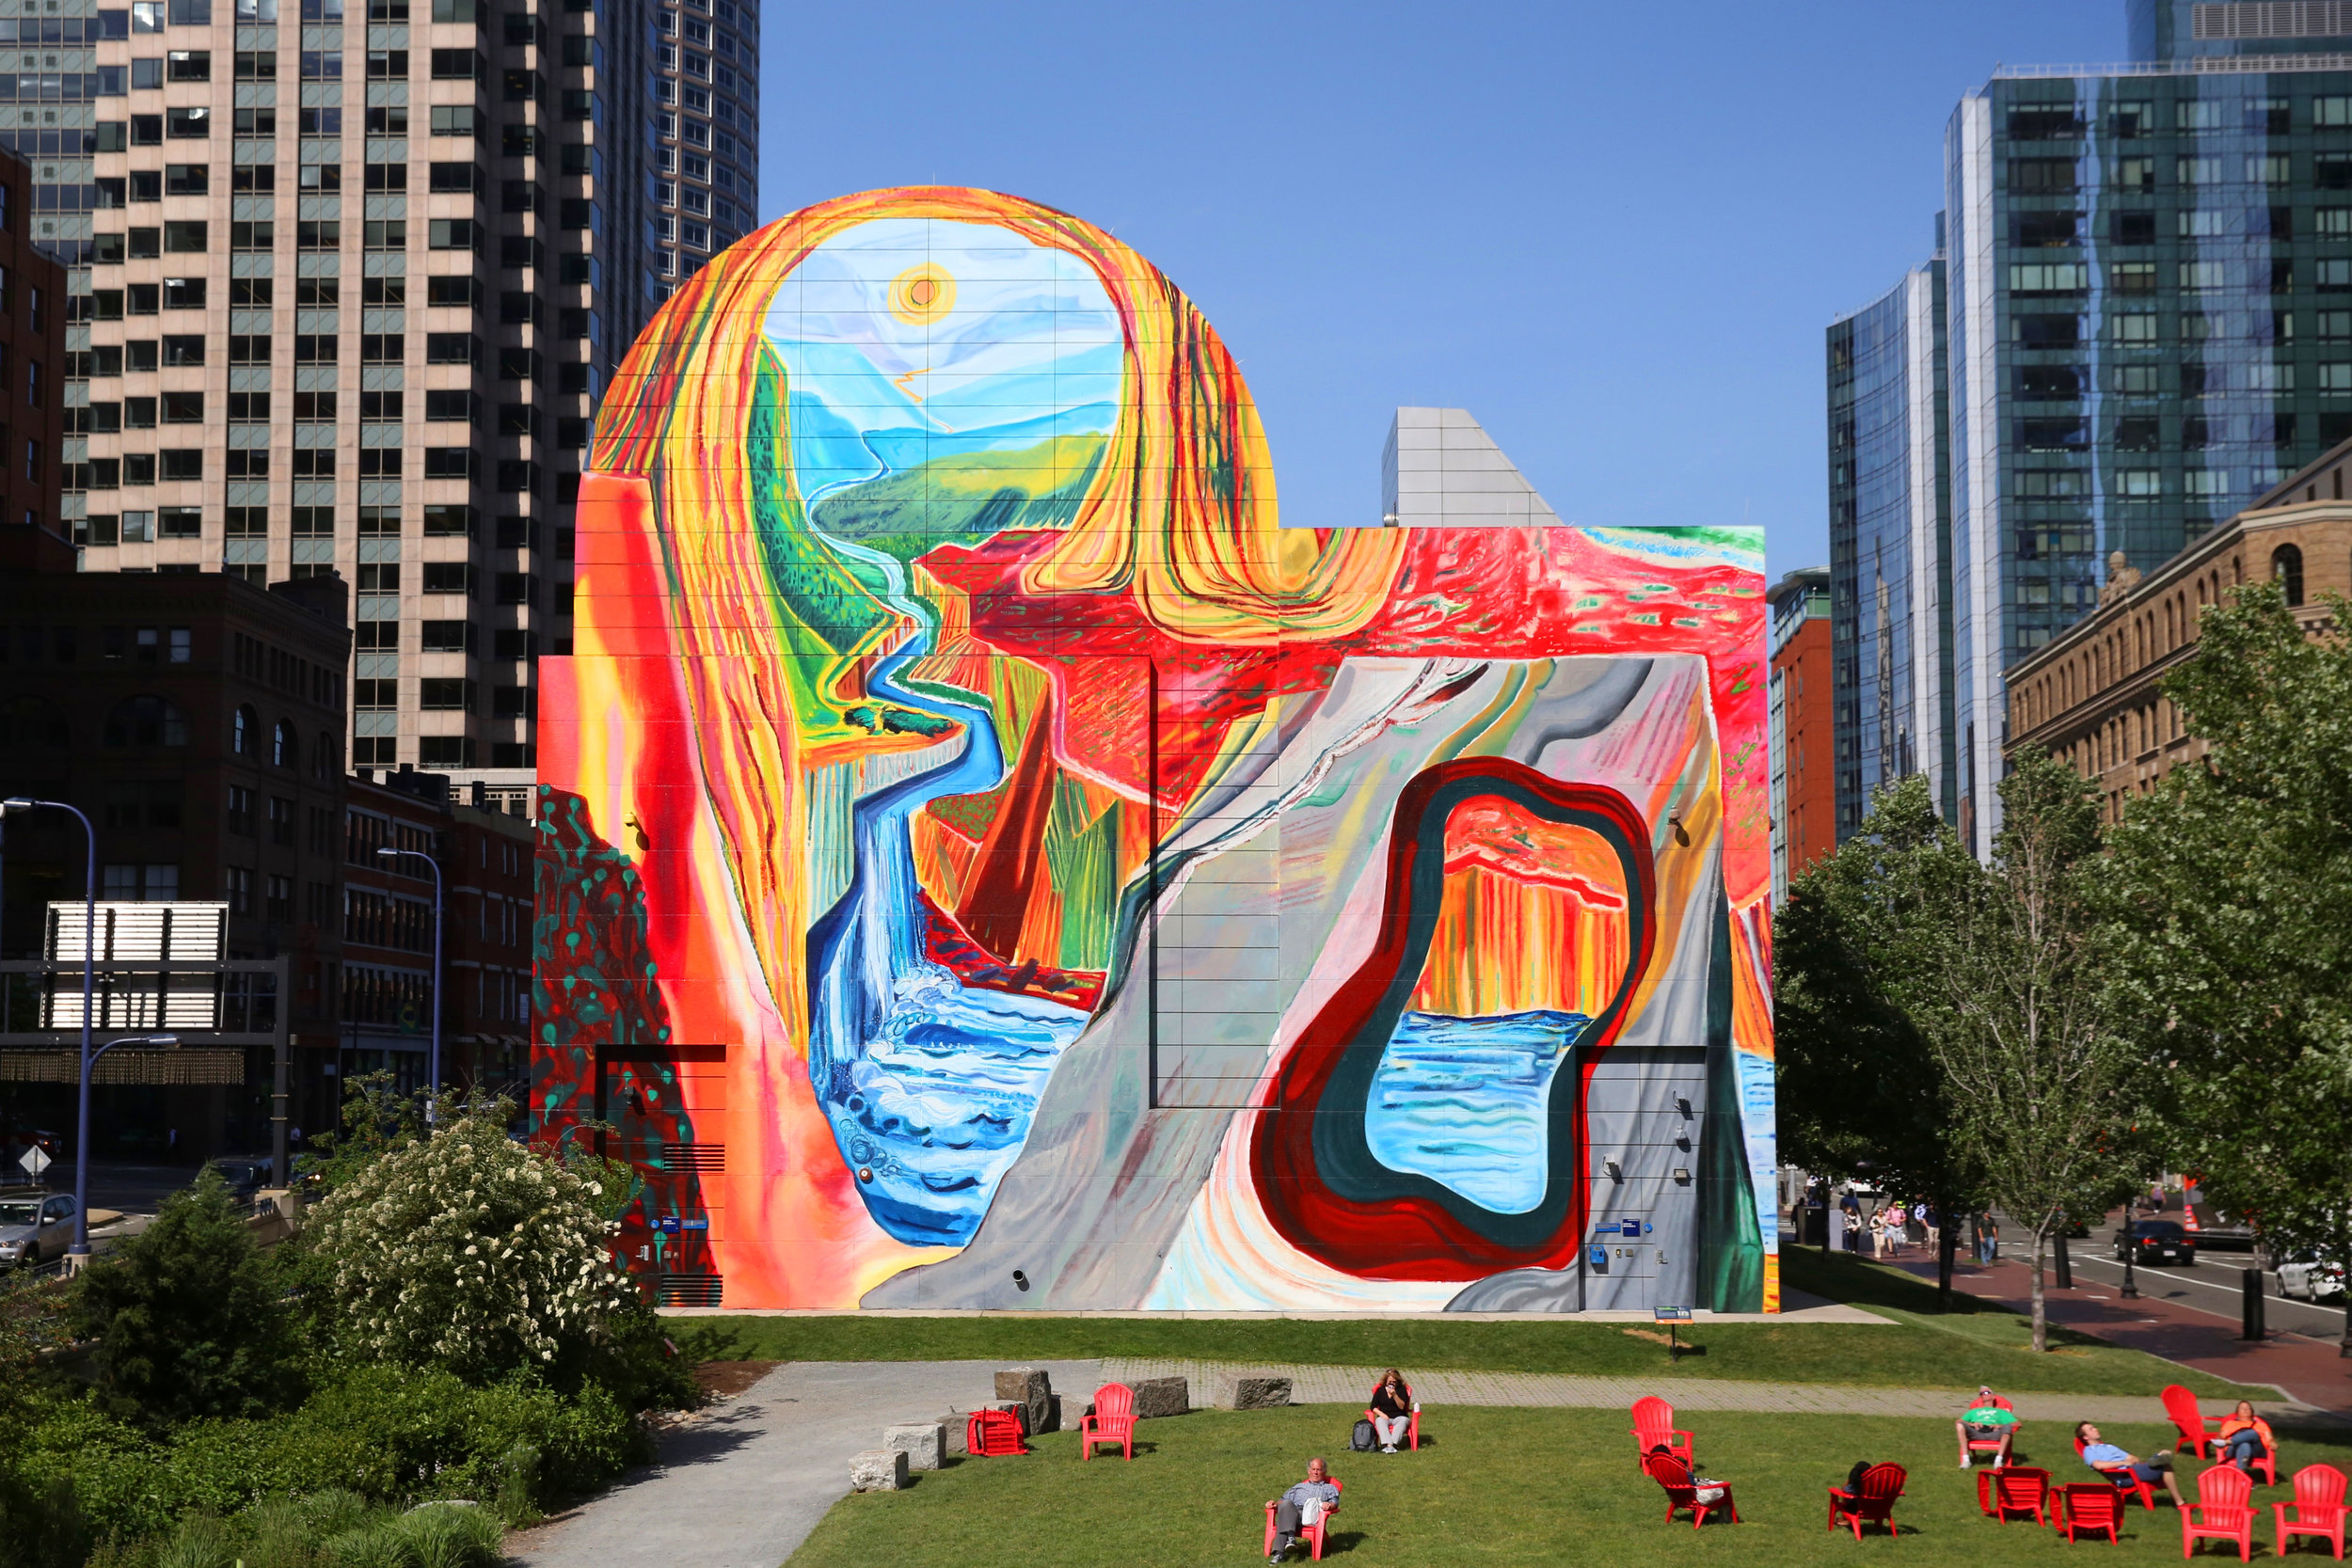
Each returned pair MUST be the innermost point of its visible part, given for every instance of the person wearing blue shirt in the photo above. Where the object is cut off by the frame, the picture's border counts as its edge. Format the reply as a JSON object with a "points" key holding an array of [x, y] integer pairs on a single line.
{"points": [[2123, 1468], [1310, 1501]]}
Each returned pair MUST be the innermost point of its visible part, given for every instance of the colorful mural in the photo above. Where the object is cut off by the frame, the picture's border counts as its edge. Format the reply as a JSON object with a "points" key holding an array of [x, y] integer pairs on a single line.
{"points": [[988, 862]]}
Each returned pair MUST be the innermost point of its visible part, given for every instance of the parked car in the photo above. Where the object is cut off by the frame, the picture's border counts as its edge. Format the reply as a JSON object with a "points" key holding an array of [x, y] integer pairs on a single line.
{"points": [[2155, 1241], [33, 1227], [2306, 1275], [245, 1177]]}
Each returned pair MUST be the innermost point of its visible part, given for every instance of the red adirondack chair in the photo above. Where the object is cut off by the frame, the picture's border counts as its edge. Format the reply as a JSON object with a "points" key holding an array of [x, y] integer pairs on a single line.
{"points": [[1993, 1445], [990, 1432], [1653, 1426], [1674, 1476], [2089, 1505], [2318, 1507], [2196, 1429], [2224, 1510], [2124, 1483], [2014, 1489], [1312, 1534], [1113, 1421], [1873, 1500]]}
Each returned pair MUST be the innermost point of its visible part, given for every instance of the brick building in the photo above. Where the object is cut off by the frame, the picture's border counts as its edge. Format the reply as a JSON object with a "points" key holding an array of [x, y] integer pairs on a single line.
{"points": [[2089, 696], [199, 722], [1804, 762]]}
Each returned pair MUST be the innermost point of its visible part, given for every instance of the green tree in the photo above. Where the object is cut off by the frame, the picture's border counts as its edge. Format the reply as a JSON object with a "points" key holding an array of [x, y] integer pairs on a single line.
{"points": [[1860, 1097], [2013, 1004], [187, 1316], [470, 1251], [2231, 892]]}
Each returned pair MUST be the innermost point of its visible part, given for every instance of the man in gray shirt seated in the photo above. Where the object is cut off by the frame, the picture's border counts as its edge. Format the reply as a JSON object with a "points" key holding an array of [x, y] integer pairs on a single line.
{"points": [[1309, 1502]]}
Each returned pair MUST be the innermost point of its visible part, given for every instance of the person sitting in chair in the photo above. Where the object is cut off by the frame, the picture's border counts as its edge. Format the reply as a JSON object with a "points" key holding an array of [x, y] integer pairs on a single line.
{"points": [[1391, 1410], [1310, 1501], [1985, 1422], [2125, 1468], [2246, 1438]]}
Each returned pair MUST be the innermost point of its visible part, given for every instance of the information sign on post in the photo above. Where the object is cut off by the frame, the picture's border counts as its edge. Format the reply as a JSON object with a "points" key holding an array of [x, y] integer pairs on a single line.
{"points": [[1673, 1316]]}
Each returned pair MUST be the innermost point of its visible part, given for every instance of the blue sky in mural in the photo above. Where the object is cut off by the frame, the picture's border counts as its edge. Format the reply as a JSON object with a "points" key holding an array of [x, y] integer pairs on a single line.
{"points": [[1613, 233]]}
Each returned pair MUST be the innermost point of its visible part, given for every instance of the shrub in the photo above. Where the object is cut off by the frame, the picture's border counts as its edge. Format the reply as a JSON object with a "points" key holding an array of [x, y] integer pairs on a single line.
{"points": [[187, 1320], [468, 1251]]}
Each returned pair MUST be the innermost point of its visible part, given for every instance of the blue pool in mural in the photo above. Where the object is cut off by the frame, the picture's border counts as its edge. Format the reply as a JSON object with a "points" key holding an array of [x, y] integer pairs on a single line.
{"points": [[1461, 1101]]}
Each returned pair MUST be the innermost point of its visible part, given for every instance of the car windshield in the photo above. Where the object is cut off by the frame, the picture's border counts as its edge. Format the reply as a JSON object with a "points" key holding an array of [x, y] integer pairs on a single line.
{"points": [[2161, 1230], [19, 1213]]}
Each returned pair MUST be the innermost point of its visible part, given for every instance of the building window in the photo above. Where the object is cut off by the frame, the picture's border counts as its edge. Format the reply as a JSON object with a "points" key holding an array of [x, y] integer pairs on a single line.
{"points": [[241, 811], [2286, 569], [238, 884], [245, 733], [146, 722]]}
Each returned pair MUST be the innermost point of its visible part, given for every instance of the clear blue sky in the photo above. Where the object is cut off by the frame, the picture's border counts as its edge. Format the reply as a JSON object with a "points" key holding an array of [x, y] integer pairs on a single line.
{"points": [[1615, 232]]}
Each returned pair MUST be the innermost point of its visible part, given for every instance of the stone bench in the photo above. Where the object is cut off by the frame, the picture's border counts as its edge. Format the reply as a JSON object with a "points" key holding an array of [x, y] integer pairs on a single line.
{"points": [[879, 1470]]}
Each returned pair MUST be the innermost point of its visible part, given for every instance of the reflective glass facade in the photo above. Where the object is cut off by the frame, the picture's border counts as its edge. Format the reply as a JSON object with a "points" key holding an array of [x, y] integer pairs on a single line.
{"points": [[1890, 537]]}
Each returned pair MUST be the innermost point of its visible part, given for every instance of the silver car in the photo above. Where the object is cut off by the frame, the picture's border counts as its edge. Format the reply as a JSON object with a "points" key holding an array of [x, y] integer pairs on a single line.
{"points": [[2309, 1275], [33, 1227]]}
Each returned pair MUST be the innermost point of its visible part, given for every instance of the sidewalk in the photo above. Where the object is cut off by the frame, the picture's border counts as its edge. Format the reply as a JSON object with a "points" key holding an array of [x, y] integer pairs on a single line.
{"points": [[2310, 1370], [1352, 1384]]}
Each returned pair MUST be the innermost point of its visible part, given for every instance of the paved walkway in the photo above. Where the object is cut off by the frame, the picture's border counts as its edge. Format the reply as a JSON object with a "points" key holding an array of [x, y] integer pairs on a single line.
{"points": [[1212, 1384], [742, 1485]]}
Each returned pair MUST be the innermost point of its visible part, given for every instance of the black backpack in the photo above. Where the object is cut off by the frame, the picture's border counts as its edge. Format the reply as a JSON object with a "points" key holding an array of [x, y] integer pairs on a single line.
{"points": [[1361, 1439]]}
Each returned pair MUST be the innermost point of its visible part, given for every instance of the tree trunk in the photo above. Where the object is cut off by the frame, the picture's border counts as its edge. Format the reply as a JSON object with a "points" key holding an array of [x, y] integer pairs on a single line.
{"points": [[2040, 1317], [1948, 1240]]}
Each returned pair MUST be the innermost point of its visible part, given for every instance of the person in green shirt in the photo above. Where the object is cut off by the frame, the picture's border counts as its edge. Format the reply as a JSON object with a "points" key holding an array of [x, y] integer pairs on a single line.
{"points": [[1986, 1420]]}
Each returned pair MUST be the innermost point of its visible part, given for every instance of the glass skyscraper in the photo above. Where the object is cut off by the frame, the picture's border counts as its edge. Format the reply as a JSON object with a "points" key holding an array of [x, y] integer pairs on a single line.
{"points": [[1890, 544], [2147, 321]]}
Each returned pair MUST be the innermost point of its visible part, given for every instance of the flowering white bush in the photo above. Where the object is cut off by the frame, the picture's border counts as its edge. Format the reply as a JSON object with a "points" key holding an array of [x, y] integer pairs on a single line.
{"points": [[470, 1251]]}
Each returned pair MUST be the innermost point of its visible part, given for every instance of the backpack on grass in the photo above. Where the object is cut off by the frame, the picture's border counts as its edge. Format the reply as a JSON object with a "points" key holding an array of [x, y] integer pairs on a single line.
{"points": [[1361, 1439]]}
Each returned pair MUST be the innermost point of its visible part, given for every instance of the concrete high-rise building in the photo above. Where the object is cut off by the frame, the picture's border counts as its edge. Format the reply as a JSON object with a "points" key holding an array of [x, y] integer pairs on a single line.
{"points": [[2148, 321], [1890, 544], [352, 281], [704, 118]]}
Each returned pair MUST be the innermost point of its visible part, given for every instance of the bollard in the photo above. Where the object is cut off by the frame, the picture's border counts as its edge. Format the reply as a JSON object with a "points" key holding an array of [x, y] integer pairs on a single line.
{"points": [[2253, 1283], [2065, 1266]]}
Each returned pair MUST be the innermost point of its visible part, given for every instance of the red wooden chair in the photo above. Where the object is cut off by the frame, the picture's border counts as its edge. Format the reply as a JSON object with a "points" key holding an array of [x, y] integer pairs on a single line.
{"points": [[1674, 1476], [2089, 1505], [2318, 1507], [2123, 1482], [1993, 1445], [1113, 1421], [2196, 1429], [989, 1434], [1312, 1534], [1872, 1501], [2014, 1489], [2223, 1511], [1654, 1427]]}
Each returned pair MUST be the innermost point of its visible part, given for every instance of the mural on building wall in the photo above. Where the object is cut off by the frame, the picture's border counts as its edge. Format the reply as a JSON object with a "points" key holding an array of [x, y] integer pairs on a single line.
{"points": [[988, 862]]}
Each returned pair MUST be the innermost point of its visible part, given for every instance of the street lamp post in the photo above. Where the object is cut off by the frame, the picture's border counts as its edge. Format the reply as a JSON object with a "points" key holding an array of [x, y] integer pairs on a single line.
{"points": [[432, 1063], [89, 982], [80, 1250]]}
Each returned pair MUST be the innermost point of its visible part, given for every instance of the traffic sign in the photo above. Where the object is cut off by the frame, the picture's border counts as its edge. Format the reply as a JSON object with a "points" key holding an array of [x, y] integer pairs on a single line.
{"points": [[35, 1161]]}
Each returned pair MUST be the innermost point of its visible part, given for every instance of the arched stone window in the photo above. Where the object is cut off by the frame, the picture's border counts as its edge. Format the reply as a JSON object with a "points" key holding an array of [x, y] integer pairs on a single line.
{"points": [[2286, 569], [284, 750], [245, 733]]}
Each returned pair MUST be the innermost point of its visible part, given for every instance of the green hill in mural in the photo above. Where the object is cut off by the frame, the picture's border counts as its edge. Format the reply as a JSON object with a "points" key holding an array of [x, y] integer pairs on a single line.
{"points": [[965, 498]]}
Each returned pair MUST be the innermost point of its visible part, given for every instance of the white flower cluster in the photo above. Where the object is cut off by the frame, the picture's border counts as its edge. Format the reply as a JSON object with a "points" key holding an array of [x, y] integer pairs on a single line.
{"points": [[469, 1250]]}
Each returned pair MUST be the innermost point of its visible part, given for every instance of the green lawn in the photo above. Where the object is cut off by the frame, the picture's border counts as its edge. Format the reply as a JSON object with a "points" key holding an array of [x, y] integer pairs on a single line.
{"points": [[1921, 1349], [1492, 1487]]}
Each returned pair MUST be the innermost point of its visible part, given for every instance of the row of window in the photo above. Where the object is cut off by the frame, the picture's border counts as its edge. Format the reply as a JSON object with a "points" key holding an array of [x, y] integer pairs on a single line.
{"points": [[2028, 279], [2264, 377], [174, 464], [2035, 177], [2271, 116], [2062, 231], [139, 355], [2071, 435]]}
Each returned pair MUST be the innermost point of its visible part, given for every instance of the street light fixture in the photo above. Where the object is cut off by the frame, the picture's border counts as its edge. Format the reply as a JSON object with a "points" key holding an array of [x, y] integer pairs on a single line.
{"points": [[433, 1065], [81, 1138]]}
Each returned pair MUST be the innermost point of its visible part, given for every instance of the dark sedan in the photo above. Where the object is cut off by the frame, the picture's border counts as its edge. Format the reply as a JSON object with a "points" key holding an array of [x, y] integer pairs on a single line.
{"points": [[2156, 1241]]}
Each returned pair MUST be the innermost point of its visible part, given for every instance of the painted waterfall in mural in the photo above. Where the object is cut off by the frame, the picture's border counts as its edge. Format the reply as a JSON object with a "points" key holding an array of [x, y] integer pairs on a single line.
{"points": [[987, 861]]}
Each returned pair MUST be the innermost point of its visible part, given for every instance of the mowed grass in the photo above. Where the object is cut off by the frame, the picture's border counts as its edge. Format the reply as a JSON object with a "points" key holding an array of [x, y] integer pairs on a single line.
{"points": [[1921, 1349], [1490, 1486]]}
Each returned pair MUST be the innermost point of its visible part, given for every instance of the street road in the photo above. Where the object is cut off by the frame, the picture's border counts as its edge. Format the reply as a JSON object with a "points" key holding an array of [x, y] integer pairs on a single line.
{"points": [[2212, 1286]]}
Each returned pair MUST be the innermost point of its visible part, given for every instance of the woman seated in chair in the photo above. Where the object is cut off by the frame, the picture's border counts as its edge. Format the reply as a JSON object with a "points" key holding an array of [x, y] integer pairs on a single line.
{"points": [[2245, 1438], [1391, 1410]]}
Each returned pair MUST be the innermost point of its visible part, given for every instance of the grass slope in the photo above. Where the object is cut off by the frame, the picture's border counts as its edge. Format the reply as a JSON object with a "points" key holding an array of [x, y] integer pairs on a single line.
{"points": [[1491, 1487], [1920, 1351]]}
